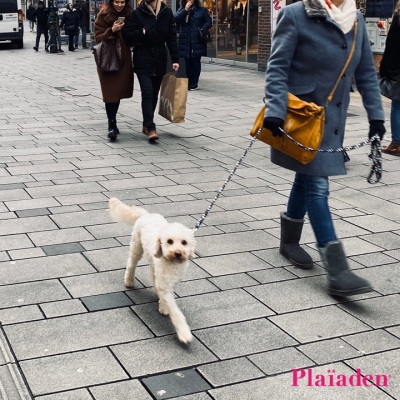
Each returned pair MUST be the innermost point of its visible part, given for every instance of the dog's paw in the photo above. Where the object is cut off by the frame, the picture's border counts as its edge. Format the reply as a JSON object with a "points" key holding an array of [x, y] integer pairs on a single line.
{"points": [[184, 335], [129, 283], [162, 309]]}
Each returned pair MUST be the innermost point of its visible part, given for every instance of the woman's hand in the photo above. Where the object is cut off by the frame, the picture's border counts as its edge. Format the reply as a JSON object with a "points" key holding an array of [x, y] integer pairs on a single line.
{"points": [[175, 66], [117, 26]]}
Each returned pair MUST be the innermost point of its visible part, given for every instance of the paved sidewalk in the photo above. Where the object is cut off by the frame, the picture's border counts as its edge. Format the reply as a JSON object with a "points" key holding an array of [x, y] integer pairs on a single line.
{"points": [[69, 328]]}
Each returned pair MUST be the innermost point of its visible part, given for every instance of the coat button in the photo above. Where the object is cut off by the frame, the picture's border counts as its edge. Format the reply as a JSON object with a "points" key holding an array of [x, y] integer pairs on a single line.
{"points": [[336, 131], [344, 46], [339, 104]]}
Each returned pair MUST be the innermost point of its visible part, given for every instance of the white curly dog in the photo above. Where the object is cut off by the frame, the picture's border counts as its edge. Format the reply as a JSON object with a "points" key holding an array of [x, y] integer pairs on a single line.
{"points": [[167, 247]]}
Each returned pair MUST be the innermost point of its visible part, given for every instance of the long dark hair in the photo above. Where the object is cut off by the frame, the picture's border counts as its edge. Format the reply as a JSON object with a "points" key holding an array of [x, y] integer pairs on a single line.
{"points": [[110, 8]]}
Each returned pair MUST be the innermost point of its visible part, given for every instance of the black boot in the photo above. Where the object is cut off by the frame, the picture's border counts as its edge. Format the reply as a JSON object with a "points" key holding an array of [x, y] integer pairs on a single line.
{"points": [[112, 129], [341, 281], [290, 237]]}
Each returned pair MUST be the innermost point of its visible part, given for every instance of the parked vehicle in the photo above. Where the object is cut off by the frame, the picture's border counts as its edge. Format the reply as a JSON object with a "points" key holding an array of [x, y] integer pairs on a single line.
{"points": [[11, 22]]}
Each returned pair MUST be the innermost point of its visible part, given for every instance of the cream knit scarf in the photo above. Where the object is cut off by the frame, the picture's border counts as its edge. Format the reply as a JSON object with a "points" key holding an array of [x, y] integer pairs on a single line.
{"points": [[158, 7], [344, 15]]}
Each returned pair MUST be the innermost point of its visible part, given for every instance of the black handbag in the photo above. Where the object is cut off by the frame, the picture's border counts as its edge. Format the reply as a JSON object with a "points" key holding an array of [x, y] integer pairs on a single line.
{"points": [[390, 85], [108, 55], [204, 36]]}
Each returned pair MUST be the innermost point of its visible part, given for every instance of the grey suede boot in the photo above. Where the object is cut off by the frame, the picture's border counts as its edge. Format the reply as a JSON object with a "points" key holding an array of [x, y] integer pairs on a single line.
{"points": [[290, 237], [341, 281]]}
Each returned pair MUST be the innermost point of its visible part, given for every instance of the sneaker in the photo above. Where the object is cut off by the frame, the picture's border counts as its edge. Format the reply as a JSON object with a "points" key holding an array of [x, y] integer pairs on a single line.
{"points": [[193, 87], [85, 47], [35, 48], [76, 47], [60, 51]]}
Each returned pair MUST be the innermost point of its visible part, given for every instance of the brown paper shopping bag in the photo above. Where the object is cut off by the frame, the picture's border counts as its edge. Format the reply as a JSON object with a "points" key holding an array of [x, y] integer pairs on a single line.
{"points": [[173, 96]]}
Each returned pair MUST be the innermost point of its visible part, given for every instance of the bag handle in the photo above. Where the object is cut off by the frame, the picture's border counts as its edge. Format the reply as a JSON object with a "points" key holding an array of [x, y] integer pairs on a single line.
{"points": [[353, 45]]}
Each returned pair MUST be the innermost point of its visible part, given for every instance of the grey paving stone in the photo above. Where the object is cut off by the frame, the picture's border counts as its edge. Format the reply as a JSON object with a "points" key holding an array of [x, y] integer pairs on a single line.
{"points": [[140, 296], [372, 260], [230, 264], [44, 268], [108, 259], [304, 293], [282, 360], [81, 218], [81, 198], [126, 390], [99, 283], [174, 384], [26, 253], [76, 332], [65, 248], [79, 394], [230, 371], [234, 243], [244, 338], [272, 275], [62, 308], [60, 236], [20, 314], [355, 246], [12, 383], [196, 396], [25, 225], [374, 223], [319, 323], [226, 282], [32, 213], [71, 371], [201, 311], [99, 244], [191, 288], [374, 341], [280, 387], [329, 351], [160, 355], [377, 312], [54, 191], [13, 194], [383, 363], [386, 240], [224, 217], [106, 301], [31, 293], [32, 205]]}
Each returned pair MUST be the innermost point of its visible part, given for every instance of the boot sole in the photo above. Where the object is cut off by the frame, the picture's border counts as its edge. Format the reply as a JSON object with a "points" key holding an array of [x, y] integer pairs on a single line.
{"points": [[345, 293], [112, 137], [296, 264]]}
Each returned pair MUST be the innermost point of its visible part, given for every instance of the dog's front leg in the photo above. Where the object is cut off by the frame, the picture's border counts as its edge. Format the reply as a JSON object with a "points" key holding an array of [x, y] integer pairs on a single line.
{"points": [[135, 254], [168, 303]]}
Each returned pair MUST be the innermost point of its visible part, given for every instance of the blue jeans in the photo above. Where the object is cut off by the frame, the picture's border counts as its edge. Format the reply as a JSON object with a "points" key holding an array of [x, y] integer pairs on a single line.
{"points": [[310, 194], [83, 31], [193, 70], [395, 121]]}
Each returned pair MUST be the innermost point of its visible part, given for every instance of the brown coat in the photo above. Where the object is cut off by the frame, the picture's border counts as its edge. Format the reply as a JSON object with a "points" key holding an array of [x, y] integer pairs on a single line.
{"points": [[114, 85]]}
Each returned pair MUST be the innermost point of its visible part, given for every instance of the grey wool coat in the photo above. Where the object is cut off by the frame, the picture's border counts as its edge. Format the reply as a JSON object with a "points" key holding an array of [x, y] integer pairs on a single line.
{"points": [[308, 53]]}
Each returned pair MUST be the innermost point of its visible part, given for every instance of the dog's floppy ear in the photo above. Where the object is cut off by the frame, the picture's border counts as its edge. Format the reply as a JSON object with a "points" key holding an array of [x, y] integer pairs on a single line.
{"points": [[158, 250]]}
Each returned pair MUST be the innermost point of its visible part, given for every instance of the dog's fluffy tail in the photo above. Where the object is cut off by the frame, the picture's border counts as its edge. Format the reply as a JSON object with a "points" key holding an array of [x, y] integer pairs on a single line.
{"points": [[120, 212]]}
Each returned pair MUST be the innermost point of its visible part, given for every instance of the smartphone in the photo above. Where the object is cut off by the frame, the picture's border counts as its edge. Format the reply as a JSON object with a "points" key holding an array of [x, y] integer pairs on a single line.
{"points": [[121, 20]]}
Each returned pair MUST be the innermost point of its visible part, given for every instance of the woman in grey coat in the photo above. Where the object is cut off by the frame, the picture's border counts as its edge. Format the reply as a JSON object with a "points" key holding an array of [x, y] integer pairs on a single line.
{"points": [[311, 44]]}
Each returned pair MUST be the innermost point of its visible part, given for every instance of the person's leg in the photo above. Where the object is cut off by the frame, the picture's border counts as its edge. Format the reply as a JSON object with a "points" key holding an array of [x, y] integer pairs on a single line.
{"points": [[156, 82], [84, 32], [71, 42], [196, 70], [76, 40], [146, 87], [58, 37], [38, 34], [46, 38], [394, 146], [111, 110], [188, 69]]}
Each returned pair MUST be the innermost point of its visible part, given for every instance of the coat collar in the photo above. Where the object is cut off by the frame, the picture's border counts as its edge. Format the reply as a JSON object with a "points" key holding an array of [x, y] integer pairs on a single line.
{"points": [[315, 9]]}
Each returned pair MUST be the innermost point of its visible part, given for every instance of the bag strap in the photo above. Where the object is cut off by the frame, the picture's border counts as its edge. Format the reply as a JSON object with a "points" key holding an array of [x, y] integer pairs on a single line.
{"points": [[353, 45]]}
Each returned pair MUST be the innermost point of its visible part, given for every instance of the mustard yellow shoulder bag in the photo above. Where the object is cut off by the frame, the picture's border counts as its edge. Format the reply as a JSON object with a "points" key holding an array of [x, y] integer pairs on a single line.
{"points": [[304, 123]]}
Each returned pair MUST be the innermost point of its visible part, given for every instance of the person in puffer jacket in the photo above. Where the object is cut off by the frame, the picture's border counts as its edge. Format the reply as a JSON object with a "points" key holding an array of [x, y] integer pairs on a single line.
{"points": [[190, 19]]}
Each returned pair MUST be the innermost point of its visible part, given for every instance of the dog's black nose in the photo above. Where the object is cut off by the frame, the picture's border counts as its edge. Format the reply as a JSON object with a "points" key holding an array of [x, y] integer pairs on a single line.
{"points": [[178, 255]]}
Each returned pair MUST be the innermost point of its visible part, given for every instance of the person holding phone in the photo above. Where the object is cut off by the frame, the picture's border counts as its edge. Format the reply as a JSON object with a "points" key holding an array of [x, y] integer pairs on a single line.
{"points": [[149, 29], [114, 85], [191, 18]]}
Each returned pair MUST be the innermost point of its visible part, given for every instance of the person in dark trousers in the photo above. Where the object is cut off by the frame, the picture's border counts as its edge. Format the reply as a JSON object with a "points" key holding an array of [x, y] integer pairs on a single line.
{"points": [[30, 16], [41, 16], [70, 23], [114, 85], [311, 43], [190, 18], [77, 8], [58, 34], [149, 29], [83, 23], [391, 64]]}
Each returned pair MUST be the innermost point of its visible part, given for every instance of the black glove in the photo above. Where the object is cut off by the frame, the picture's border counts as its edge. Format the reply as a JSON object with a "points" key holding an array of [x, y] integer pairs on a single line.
{"points": [[376, 127], [274, 125]]}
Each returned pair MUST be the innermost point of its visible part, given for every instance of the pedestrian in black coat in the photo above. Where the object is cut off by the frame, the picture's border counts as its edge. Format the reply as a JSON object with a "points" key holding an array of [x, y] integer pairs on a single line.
{"points": [[30, 16], [151, 27], [40, 17], [190, 19], [70, 23]]}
